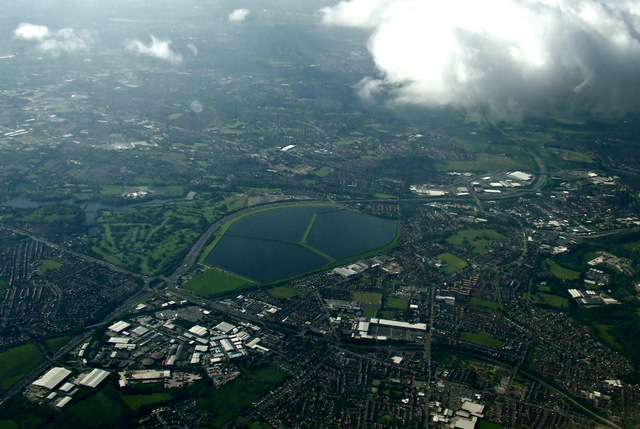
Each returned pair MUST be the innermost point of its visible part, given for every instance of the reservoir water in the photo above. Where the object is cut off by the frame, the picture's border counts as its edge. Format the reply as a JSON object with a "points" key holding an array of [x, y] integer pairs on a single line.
{"points": [[266, 246]]}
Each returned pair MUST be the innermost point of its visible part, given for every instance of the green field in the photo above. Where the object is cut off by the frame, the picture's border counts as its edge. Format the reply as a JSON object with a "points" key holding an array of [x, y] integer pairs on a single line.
{"points": [[454, 263], [474, 300], [486, 424], [603, 332], [151, 239], [55, 344], [47, 264], [569, 155], [370, 298], [552, 300], [4, 284], [399, 303], [322, 172], [8, 424], [231, 398], [96, 410], [133, 402], [485, 162], [482, 338], [369, 312], [215, 281], [112, 190], [561, 272], [479, 239], [17, 362], [284, 292]]}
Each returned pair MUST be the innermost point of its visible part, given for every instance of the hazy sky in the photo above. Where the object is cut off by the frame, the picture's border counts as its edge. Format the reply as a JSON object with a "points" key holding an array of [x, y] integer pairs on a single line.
{"points": [[508, 56]]}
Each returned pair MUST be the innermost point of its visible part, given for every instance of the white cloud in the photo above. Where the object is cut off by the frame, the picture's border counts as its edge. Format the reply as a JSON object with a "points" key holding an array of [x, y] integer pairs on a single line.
{"points": [[510, 55], [238, 15], [28, 31], [193, 48], [54, 43], [158, 48]]}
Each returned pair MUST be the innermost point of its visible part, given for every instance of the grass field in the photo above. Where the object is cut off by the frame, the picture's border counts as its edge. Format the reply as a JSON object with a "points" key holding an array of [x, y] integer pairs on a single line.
{"points": [[474, 300], [96, 410], [231, 398], [561, 272], [569, 155], [399, 303], [8, 424], [370, 298], [111, 190], [46, 265], [215, 282], [322, 172], [552, 300], [482, 338], [4, 284], [454, 263], [133, 402], [382, 314], [17, 362], [55, 344], [485, 424], [284, 292], [485, 162], [603, 332], [369, 312], [384, 196], [479, 239]]}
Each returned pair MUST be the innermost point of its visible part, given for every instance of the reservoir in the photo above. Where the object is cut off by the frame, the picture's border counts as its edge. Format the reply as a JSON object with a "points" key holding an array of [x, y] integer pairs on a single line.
{"points": [[285, 242]]}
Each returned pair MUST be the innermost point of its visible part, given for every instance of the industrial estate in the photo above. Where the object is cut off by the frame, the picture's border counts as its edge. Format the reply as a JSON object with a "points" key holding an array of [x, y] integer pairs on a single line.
{"points": [[236, 238]]}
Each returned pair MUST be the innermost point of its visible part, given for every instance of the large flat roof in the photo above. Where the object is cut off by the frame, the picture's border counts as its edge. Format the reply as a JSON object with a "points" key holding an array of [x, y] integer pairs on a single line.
{"points": [[119, 326], [94, 378], [52, 378]]}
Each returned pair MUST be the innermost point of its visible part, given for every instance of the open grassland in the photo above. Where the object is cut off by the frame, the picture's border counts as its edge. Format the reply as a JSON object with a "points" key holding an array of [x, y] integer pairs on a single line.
{"points": [[284, 292], [52, 214], [398, 303], [231, 398], [111, 190], [479, 239], [133, 402], [561, 272], [322, 172], [17, 362], [487, 162], [8, 424], [370, 298], [215, 281], [482, 338], [4, 285], [96, 410], [454, 263], [55, 344], [370, 301], [603, 332], [486, 424], [384, 196], [474, 300], [48, 264], [551, 300]]}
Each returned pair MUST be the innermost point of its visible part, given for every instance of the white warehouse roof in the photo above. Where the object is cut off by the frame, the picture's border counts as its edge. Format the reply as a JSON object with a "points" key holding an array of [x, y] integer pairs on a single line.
{"points": [[94, 378], [52, 378], [119, 326]]}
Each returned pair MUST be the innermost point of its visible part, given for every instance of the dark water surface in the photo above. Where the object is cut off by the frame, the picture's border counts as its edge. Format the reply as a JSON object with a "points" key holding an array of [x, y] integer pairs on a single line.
{"points": [[266, 246]]}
